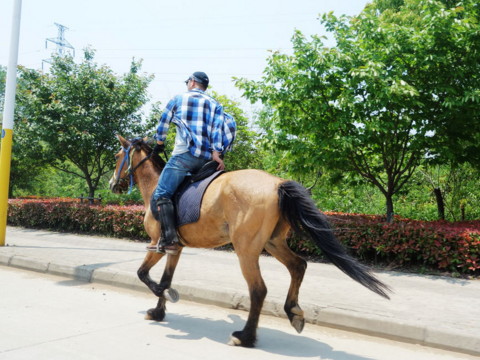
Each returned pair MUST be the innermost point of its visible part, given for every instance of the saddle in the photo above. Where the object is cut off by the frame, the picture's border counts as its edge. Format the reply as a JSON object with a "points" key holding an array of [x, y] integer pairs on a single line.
{"points": [[188, 197]]}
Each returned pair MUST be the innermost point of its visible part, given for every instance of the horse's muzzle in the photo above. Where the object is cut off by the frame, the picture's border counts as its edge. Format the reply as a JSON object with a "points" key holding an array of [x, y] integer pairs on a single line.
{"points": [[118, 186]]}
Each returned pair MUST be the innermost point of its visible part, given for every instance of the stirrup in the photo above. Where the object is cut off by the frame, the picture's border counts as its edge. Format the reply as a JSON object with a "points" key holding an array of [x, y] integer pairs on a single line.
{"points": [[171, 249], [155, 248]]}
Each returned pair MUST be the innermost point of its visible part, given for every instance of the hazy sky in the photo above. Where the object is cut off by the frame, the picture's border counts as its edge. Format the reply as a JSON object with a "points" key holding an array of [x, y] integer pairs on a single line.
{"points": [[174, 38]]}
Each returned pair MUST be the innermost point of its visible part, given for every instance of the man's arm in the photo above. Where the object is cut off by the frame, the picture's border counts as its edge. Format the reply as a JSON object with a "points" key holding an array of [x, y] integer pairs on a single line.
{"points": [[164, 121], [217, 137]]}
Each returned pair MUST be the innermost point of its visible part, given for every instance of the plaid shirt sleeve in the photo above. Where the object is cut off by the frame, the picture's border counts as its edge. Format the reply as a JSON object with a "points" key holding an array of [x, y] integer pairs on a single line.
{"points": [[229, 131], [225, 133], [217, 143], [165, 119]]}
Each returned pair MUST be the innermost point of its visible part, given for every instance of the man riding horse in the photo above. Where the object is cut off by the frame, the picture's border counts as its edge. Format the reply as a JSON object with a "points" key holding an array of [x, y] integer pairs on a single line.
{"points": [[200, 133], [251, 209]]}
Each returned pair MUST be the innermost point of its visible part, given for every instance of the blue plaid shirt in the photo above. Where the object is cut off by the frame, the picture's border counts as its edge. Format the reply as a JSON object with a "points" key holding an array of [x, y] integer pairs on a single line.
{"points": [[199, 118]]}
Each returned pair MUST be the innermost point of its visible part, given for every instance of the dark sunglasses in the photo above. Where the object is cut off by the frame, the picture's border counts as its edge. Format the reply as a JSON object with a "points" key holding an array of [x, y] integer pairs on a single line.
{"points": [[186, 81]]}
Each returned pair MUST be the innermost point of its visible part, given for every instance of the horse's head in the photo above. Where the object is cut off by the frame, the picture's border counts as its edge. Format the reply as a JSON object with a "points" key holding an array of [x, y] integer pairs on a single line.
{"points": [[131, 156], [119, 181]]}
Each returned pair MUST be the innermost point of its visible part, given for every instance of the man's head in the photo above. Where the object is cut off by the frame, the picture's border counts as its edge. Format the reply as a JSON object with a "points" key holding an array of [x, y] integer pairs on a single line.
{"points": [[198, 80]]}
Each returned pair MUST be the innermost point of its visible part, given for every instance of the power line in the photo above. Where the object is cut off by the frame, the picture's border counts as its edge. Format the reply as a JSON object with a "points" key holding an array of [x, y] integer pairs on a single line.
{"points": [[191, 49]]}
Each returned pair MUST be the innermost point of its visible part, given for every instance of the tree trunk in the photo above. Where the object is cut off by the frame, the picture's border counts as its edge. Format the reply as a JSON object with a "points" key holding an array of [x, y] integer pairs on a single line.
{"points": [[390, 212], [440, 203], [91, 195]]}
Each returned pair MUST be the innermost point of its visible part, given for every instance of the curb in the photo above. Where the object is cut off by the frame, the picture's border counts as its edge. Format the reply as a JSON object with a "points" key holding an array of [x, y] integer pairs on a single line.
{"points": [[342, 319]]}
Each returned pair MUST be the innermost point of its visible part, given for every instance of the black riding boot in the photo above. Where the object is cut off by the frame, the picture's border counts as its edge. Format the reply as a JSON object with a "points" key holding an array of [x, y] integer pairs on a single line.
{"points": [[169, 239]]}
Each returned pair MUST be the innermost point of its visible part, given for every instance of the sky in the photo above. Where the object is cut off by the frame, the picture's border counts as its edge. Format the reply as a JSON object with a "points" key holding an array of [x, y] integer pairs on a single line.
{"points": [[223, 38]]}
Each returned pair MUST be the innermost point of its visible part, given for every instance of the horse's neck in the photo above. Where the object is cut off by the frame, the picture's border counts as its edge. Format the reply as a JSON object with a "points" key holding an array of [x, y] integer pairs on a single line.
{"points": [[146, 178]]}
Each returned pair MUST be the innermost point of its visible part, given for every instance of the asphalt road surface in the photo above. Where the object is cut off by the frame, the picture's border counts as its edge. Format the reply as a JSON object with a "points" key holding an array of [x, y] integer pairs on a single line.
{"points": [[48, 317]]}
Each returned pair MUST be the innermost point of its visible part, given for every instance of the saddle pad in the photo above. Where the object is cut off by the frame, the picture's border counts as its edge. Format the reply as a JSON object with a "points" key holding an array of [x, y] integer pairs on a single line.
{"points": [[189, 199]]}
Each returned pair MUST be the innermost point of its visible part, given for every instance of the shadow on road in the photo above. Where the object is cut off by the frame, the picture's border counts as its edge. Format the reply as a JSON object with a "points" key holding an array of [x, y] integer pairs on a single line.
{"points": [[270, 340]]}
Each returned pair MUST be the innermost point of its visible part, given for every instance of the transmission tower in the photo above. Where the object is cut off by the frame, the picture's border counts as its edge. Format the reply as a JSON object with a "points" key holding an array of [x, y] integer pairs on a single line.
{"points": [[61, 42]]}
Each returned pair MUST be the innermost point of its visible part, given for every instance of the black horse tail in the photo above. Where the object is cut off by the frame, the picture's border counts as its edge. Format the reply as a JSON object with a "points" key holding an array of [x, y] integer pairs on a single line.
{"points": [[301, 212]]}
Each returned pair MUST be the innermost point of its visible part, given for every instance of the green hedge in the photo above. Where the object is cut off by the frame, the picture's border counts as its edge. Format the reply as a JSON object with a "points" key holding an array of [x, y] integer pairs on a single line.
{"points": [[438, 245]]}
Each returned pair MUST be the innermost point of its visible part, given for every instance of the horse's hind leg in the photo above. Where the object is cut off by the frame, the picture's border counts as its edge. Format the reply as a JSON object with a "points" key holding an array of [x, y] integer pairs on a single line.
{"points": [[158, 313], [277, 246]]}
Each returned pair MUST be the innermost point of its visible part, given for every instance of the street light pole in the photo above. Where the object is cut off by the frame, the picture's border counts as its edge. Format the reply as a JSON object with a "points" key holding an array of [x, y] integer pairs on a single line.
{"points": [[7, 125]]}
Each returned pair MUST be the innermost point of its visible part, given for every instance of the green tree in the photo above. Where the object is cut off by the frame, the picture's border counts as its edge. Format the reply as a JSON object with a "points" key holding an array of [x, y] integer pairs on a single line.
{"points": [[364, 106], [26, 162], [76, 110], [444, 70]]}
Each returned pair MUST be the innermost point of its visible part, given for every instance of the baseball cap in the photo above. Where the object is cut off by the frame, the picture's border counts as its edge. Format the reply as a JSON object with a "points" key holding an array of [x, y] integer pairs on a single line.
{"points": [[201, 77]]}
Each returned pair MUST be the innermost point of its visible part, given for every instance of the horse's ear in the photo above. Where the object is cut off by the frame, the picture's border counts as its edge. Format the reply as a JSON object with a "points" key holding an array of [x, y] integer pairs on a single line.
{"points": [[145, 139], [123, 141]]}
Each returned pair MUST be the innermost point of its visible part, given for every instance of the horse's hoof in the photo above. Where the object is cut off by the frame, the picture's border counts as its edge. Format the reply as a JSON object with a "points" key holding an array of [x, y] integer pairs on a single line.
{"points": [[238, 338], [234, 341], [298, 322], [155, 314], [171, 295], [295, 314]]}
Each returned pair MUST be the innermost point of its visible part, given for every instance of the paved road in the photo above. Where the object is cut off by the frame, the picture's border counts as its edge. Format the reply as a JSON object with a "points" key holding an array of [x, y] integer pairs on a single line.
{"points": [[429, 310], [45, 317]]}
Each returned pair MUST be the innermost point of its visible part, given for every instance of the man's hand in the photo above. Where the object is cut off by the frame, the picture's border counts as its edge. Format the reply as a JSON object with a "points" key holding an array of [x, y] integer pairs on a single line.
{"points": [[216, 157], [159, 148]]}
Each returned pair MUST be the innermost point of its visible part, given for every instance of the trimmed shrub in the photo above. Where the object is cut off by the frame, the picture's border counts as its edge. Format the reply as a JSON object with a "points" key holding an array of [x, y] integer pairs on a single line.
{"points": [[69, 215], [438, 245]]}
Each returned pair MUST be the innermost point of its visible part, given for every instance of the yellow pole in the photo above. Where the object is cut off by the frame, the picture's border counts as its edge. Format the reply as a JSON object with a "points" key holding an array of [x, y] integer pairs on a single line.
{"points": [[5, 156], [7, 125]]}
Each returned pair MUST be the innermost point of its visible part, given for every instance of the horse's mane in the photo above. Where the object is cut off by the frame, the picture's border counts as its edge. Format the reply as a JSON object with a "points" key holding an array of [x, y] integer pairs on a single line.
{"points": [[157, 161]]}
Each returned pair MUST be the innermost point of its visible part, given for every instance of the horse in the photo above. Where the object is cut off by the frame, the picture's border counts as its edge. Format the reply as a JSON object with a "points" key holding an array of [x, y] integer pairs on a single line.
{"points": [[254, 211]]}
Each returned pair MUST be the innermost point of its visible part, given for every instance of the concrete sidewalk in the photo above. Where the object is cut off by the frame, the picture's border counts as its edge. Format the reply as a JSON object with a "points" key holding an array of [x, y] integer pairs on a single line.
{"points": [[435, 311]]}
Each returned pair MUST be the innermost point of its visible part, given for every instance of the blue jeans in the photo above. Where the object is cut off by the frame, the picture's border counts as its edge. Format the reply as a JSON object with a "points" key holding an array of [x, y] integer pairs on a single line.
{"points": [[177, 168]]}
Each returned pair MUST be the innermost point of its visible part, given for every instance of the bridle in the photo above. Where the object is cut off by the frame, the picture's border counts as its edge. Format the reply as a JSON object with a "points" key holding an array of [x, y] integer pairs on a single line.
{"points": [[128, 159]]}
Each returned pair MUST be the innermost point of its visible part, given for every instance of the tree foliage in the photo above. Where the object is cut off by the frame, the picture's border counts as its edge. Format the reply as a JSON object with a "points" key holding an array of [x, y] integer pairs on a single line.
{"points": [[26, 162], [443, 65], [75, 111], [383, 99]]}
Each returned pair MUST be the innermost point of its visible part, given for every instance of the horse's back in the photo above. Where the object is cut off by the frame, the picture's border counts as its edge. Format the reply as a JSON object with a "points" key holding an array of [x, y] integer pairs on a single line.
{"points": [[242, 199], [250, 181], [247, 188]]}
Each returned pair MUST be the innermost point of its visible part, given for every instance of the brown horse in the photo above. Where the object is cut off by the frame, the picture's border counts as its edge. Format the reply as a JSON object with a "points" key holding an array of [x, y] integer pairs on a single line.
{"points": [[254, 211]]}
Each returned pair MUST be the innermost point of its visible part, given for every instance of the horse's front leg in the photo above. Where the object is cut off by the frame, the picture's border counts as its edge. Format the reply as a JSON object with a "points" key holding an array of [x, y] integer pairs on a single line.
{"points": [[158, 313], [257, 289], [151, 259]]}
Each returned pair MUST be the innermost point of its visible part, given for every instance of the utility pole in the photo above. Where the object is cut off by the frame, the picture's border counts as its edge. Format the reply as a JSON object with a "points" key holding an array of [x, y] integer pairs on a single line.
{"points": [[8, 114], [61, 42]]}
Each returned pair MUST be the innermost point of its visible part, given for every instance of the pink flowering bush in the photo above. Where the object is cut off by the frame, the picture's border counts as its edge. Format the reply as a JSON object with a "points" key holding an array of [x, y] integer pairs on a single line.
{"points": [[439, 245], [436, 245], [69, 215]]}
